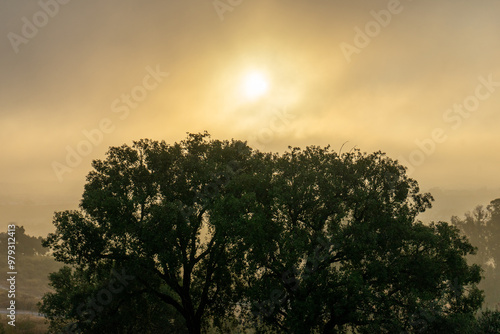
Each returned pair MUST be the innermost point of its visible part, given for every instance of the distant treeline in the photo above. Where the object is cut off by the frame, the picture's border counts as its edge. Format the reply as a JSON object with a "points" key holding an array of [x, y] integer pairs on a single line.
{"points": [[25, 244], [482, 228]]}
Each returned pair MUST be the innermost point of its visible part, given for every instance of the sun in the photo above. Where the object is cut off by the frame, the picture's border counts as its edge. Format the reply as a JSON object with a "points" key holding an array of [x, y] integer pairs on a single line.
{"points": [[255, 84]]}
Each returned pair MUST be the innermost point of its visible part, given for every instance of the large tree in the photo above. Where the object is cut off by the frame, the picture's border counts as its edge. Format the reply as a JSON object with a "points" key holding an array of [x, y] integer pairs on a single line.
{"points": [[146, 210], [334, 244], [203, 232]]}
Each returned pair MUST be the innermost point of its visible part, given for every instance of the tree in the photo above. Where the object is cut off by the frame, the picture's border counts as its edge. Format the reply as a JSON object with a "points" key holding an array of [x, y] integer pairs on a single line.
{"points": [[147, 209], [482, 227], [207, 232], [489, 322], [335, 245]]}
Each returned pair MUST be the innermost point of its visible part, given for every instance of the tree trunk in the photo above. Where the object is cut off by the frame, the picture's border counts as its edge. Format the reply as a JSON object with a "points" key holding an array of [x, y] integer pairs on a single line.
{"points": [[193, 325]]}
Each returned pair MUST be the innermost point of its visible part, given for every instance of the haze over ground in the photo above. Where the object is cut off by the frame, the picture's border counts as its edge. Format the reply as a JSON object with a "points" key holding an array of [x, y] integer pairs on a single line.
{"points": [[417, 79]]}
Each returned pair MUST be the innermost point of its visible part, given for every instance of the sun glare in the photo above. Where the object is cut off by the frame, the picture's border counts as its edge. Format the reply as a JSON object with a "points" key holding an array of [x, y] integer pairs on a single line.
{"points": [[255, 84]]}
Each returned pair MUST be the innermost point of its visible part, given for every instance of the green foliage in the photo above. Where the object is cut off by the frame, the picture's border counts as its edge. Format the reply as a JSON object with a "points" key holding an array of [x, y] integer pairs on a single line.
{"points": [[341, 248], [215, 235], [489, 322], [147, 209]]}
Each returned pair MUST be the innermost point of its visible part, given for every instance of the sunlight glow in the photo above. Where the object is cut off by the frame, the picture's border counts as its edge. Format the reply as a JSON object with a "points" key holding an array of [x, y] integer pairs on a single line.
{"points": [[255, 85]]}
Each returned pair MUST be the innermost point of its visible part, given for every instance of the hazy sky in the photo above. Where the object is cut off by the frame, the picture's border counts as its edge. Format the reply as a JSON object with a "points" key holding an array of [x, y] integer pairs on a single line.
{"points": [[417, 79]]}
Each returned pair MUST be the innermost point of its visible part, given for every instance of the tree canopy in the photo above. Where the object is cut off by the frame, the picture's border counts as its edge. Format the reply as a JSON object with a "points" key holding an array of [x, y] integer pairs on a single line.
{"points": [[213, 234]]}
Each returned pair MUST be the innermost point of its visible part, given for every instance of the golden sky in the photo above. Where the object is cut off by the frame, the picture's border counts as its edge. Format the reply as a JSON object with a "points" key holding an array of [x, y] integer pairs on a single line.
{"points": [[417, 79]]}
